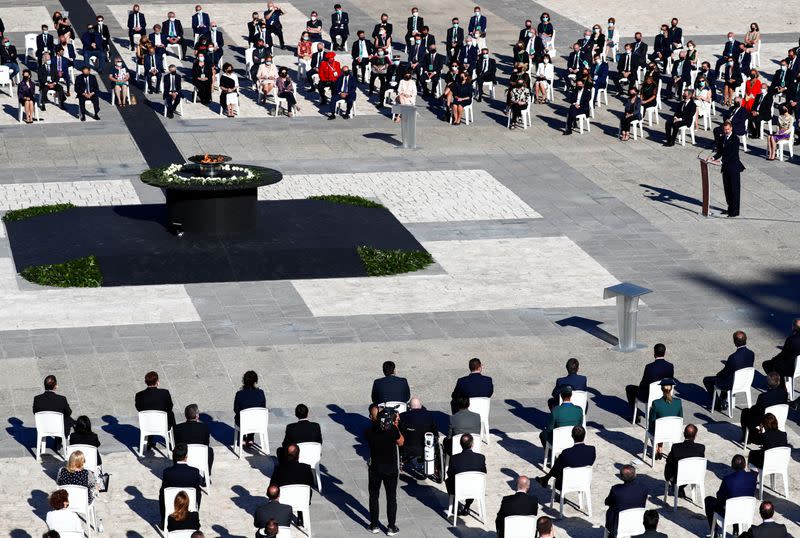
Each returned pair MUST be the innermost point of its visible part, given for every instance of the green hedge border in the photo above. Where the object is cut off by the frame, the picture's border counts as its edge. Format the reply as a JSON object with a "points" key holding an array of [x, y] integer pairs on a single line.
{"points": [[348, 199], [380, 262], [35, 211], [78, 273]]}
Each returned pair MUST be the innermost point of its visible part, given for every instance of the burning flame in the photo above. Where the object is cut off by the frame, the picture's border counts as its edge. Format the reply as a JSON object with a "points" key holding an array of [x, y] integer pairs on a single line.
{"points": [[212, 159]]}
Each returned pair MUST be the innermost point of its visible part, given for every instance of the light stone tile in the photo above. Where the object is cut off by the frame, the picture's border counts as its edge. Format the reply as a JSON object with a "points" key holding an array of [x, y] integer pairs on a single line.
{"points": [[80, 193], [22, 18]]}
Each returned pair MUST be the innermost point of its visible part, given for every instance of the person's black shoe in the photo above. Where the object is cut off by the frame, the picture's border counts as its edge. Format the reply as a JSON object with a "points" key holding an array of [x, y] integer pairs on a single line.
{"points": [[97, 116], [568, 132], [479, 99], [331, 116], [170, 115], [347, 116], [463, 511], [324, 102], [42, 108], [392, 531], [83, 118], [731, 215]]}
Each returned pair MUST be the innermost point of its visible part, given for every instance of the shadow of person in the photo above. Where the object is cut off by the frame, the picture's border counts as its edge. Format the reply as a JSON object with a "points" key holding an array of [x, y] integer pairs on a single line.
{"points": [[344, 501], [354, 423], [245, 500], [22, 434], [428, 496], [529, 414], [225, 533], [19, 533], [523, 449], [145, 508], [125, 434], [133, 534], [220, 431], [38, 501], [613, 405]]}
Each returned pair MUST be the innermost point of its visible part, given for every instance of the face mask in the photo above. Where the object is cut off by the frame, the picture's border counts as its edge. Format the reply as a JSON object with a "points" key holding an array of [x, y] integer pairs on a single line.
{"points": [[396, 62], [345, 73], [100, 21], [213, 27], [267, 62], [305, 38], [201, 58], [417, 41], [380, 54], [527, 25], [730, 39], [455, 25], [730, 63], [313, 17], [477, 13], [118, 64], [338, 11], [172, 18], [545, 19], [638, 39], [597, 30], [610, 24], [414, 13]]}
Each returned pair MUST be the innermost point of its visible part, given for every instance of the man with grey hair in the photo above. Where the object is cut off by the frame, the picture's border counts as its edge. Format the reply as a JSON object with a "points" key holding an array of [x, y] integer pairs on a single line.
{"points": [[517, 504], [623, 496], [414, 424], [194, 432]]}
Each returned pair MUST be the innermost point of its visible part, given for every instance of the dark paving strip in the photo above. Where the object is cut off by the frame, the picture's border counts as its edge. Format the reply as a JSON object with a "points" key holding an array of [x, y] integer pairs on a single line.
{"points": [[142, 121]]}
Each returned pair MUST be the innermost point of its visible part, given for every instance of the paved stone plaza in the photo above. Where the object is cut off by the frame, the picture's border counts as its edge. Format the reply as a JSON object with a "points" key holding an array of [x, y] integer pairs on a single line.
{"points": [[526, 227]]}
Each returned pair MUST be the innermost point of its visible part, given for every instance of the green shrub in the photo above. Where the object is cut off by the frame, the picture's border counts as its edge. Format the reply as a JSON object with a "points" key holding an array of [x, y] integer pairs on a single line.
{"points": [[347, 199], [35, 211], [380, 262], [80, 273]]}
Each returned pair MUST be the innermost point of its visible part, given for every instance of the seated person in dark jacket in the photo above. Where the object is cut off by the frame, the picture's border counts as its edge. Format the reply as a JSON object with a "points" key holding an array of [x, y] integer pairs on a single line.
{"points": [[739, 483], [657, 370], [302, 431], [623, 496], [414, 424], [784, 362], [517, 504], [83, 435], [390, 388], [741, 358], [687, 449], [774, 395], [180, 475], [771, 437], [50, 400], [182, 518], [154, 398], [578, 455], [573, 379], [247, 397], [465, 461], [768, 528], [650, 521], [474, 385], [291, 472], [194, 432], [272, 510]]}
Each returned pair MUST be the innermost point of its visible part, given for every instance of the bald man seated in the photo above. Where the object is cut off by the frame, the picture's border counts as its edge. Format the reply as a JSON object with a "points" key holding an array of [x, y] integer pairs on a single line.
{"points": [[414, 424], [517, 504]]}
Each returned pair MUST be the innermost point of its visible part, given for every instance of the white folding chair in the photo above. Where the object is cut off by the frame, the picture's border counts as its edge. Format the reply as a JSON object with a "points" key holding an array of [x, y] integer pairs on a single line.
{"points": [[692, 473], [298, 496], [787, 144], [21, 113], [738, 511], [562, 439], [776, 462], [455, 447], [630, 523], [482, 407], [742, 380], [153, 423], [466, 116], [690, 129], [668, 430], [177, 48], [602, 93], [169, 501], [781, 413], [197, 457], [789, 381], [525, 115], [519, 526], [581, 118], [704, 113], [253, 420], [311, 453], [491, 88], [638, 125], [5, 78], [179, 110], [650, 114], [469, 485], [591, 104], [126, 95], [89, 455], [181, 534], [743, 140], [79, 503], [49, 424], [341, 104], [659, 89], [575, 480], [652, 395], [30, 45]]}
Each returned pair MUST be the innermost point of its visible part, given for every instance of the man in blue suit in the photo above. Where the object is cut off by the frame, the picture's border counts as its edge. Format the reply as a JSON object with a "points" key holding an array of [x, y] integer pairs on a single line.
{"points": [[215, 36], [573, 379], [599, 73], [345, 88], [741, 358], [93, 47], [578, 105], [137, 24], [200, 21], [172, 90], [740, 483], [468, 56], [390, 388], [657, 370], [180, 475], [730, 50], [727, 155], [477, 22], [340, 28], [474, 385], [623, 496], [578, 455], [153, 69]]}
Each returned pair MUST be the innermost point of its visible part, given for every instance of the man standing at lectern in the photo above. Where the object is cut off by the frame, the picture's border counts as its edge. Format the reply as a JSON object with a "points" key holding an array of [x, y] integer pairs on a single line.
{"points": [[727, 154]]}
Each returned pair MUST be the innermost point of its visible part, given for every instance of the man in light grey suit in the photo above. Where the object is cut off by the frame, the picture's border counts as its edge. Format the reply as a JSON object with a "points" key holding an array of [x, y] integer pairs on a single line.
{"points": [[463, 421]]}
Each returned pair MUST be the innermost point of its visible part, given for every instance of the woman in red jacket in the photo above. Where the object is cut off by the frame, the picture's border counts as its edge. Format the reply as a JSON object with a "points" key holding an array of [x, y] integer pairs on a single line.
{"points": [[329, 71]]}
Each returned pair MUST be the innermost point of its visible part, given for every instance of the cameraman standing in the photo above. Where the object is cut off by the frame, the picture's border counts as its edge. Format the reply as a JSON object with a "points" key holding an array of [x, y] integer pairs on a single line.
{"points": [[383, 438]]}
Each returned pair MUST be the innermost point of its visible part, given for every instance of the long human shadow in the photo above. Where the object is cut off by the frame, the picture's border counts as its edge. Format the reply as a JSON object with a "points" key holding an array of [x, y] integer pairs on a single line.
{"points": [[621, 440], [354, 423], [125, 434], [655, 488], [19, 533], [22, 434], [427, 495], [143, 507], [522, 448], [669, 197], [245, 500], [589, 326], [133, 534], [344, 501], [611, 404], [531, 415], [38, 501], [221, 432], [225, 533]]}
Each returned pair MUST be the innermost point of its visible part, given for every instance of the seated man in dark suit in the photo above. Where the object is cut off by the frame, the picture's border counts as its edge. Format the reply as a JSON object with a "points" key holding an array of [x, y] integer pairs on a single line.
{"points": [[194, 432], [573, 379], [474, 385], [517, 504], [657, 370], [578, 455], [390, 387], [86, 89], [566, 414], [728, 51], [650, 521], [485, 71], [464, 461], [431, 70], [768, 528], [172, 32], [292, 472], [273, 509], [180, 475], [414, 424], [681, 75], [683, 117], [741, 358], [737, 115], [578, 105], [774, 395], [302, 431], [623, 496], [172, 90], [49, 400], [687, 449], [784, 362], [740, 483], [626, 69], [760, 111], [154, 398], [137, 24]]}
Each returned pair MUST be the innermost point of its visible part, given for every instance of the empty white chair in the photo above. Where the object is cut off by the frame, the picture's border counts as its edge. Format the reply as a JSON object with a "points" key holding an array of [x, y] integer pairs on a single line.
{"points": [[49, 424], [181, 534], [468, 485], [650, 114], [400, 407], [776, 462], [519, 526], [667, 430], [562, 438], [197, 457], [738, 511], [780, 411], [177, 48], [630, 523], [169, 501], [30, 45], [89, 455], [298, 496], [692, 473], [253, 420], [153, 423], [311, 453], [79, 503], [575, 480], [482, 407], [742, 380], [790, 380], [788, 144], [653, 395]]}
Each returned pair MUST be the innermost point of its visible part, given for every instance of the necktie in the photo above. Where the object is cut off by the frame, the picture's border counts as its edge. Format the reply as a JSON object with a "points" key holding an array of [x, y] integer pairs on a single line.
{"points": [[344, 84], [172, 83], [485, 65], [361, 49], [628, 62], [172, 29]]}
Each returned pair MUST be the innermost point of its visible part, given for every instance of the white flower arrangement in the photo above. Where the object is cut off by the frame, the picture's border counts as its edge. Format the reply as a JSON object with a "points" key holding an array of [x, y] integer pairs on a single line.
{"points": [[241, 174]]}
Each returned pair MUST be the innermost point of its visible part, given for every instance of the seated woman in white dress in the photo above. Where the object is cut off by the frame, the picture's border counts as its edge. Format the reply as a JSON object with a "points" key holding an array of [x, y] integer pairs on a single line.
{"points": [[267, 75]]}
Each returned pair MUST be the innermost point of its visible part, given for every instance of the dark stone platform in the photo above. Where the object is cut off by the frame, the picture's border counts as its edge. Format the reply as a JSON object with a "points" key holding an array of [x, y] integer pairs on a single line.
{"points": [[295, 239]]}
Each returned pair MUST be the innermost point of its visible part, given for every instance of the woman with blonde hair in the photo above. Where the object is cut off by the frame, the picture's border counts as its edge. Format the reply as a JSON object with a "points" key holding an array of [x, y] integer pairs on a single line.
{"points": [[74, 474], [181, 518], [666, 406]]}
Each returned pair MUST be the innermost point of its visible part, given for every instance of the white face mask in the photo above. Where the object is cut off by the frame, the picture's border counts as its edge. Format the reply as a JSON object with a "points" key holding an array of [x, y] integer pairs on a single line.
{"points": [[477, 13], [201, 58], [730, 39], [313, 17], [172, 18]]}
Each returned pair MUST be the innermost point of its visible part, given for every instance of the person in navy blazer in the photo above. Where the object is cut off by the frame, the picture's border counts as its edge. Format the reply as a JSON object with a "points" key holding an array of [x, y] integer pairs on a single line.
{"points": [[201, 22], [741, 358], [86, 89], [469, 54], [340, 27], [474, 385], [463, 462], [657, 370], [740, 483], [215, 36], [727, 155], [345, 88], [731, 49], [681, 74], [599, 72], [573, 379], [578, 455], [180, 475], [390, 388], [137, 24], [172, 90], [153, 68], [774, 395], [623, 496], [477, 21], [248, 396], [578, 104]]}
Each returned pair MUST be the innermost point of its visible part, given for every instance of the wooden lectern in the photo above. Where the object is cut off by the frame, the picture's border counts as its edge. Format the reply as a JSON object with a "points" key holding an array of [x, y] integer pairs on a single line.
{"points": [[704, 162]]}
